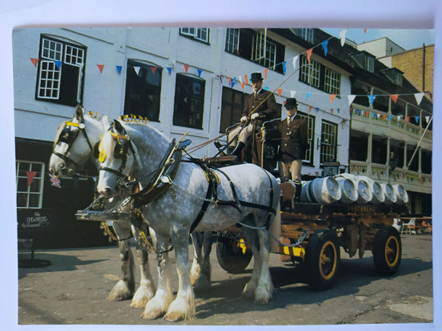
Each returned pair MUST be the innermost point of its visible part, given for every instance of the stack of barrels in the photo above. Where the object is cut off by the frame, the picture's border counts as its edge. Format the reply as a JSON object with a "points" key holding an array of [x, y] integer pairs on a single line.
{"points": [[347, 188]]}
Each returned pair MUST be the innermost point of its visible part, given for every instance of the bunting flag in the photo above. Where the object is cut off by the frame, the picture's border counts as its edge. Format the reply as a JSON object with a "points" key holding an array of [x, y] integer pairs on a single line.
{"points": [[247, 80], [220, 79], [119, 68], [394, 97], [170, 70], [365, 30], [339, 111], [317, 110], [399, 118], [427, 118], [309, 109], [30, 175], [266, 88], [240, 80], [292, 94], [309, 54], [34, 61], [199, 72], [371, 98], [331, 110], [58, 64], [295, 59], [342, 36], [154, 70], [332, 97], [242, 85], [137, 70], [283, 66], [55, 181], [230, 80], [100, 67], [419, 97], [417, 119], [350, 99], [307, 95], [234, 81], [265, 73], [279, 91], [408, 118], [324, 45], [186, 67]]}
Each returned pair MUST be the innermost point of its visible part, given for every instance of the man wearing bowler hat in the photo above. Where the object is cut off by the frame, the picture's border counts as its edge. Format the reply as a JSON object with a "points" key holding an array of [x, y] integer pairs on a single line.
{"points": [[294, 142], [260, 106]]}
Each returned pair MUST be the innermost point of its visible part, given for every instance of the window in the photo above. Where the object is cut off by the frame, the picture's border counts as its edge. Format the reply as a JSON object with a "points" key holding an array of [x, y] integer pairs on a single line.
{"points": [[310, 73], [329, 138], [319, 76], [189, 102], [231, 108], [143, 90], [60, 72], [414, 165], [426, 157], [310, 134], [29, 196], [379, 149], [369, 63], [306, 34], [263, 51], [232, 41], [332, 82], [398, 78], [201, 34], [358, 146], [256, 46]]}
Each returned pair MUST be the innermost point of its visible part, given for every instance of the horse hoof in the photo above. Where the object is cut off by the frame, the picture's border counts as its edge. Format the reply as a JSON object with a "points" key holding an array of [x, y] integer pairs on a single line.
{"points": [[119, 297], [152, 315], [261, 301], [138, 304], [174, 317], [202, 284]]}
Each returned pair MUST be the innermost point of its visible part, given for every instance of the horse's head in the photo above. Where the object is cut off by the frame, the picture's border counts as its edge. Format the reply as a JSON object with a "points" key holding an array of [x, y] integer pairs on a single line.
{"points": [[116, 154], [75, 141]]}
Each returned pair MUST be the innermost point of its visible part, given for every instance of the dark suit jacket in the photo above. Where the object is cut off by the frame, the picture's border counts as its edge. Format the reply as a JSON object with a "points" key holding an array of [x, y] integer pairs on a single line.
{"points": [[293, 139], [267, 110]]}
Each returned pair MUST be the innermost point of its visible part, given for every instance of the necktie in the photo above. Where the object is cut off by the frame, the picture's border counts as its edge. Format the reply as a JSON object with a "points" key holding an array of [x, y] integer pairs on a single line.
{"points": [[288, 120]]}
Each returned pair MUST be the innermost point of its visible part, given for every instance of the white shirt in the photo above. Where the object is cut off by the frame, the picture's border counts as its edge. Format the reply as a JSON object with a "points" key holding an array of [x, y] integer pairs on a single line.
{"points": [[257, 92], [291, 119]]}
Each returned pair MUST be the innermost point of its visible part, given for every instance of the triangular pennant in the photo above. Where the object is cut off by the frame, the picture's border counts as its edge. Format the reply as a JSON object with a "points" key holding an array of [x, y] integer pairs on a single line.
{"points": [[265, 73], [331, 110], [338, 110], [342, 36], [399, 118], [365, 30], [373, 115], [284, 66], [119, 68], [266, 88], [199, 72], [384, 117], [324, 45], [234, 80], [332, 97], [58, 64], [30, 175], [390, 117], [307, 95], [169, 69], [100, 67], [419, 97], [371, 98], [240, 80], [279, 91], [309, 109], [186, 67], [317, 110], [394, 97], [309, 54], [34, 61], [230, 81], [350, 99], [154, 70], [292, 93], [137, 70], [247, 81], [427, 118], [417, 119], [220, 79], [408, 118], [242, 85], [295, 59]]}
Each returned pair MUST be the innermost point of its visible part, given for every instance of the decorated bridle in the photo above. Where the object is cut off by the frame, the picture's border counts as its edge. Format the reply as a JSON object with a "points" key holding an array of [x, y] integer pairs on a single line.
{"points": [[68, 137], [120, 152]]}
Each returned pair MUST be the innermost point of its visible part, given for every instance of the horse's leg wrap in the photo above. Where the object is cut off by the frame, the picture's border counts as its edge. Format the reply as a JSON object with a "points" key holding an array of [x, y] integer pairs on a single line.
{"points": [[146, 291], [125, 287]]}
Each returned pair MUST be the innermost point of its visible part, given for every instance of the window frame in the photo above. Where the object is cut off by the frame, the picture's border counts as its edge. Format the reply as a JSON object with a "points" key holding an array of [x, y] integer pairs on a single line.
{"points": [[28, 192], [310, 135], [329, 79], [369, 63], [231, 103], [261, 52], [324, 145], [309, 72], [232, 40], [307, 34], [189, 94], [49, 75], [196, 34]]}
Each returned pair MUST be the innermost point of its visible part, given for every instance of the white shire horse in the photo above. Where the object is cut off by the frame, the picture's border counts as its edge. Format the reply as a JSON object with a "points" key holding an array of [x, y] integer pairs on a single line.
{"points": [[74, 144], [253, 200]]}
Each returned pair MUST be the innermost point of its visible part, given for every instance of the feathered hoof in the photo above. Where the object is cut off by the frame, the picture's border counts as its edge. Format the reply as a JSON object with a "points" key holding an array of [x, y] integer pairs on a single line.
{"points": [[139, 304], [152, 314], [249, 291], [142, 297], [120, 292], [202, 284], [262, 296], [176, 317]]}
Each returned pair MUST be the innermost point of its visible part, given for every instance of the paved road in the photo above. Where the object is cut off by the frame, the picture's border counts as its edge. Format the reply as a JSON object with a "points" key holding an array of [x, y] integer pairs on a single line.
{"points": [[74, 288]]}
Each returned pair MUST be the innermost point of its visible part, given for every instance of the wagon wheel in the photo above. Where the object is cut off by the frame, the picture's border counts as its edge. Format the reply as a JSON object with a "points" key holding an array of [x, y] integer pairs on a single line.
{"points": [[387, 251], [230, 255], [322, 258]]}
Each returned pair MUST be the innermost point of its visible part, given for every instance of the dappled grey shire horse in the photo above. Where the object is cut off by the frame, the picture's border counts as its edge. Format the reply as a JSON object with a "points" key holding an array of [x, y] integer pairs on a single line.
{"points": [[74, 143], [172, 214]]}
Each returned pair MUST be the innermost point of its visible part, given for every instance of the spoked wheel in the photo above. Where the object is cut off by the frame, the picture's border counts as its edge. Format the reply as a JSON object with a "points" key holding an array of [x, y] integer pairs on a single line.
{"points": [[322, 258], [387, 251], [231, 256]]}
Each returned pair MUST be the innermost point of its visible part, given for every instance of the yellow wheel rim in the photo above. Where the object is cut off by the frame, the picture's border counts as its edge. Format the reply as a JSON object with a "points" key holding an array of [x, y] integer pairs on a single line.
{"points": [[392, 251], [328, 260]]}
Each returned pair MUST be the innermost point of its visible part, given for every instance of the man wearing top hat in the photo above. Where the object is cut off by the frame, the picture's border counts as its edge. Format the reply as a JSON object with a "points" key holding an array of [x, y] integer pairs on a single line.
{"points": [[260, 106], [294, 143]]}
